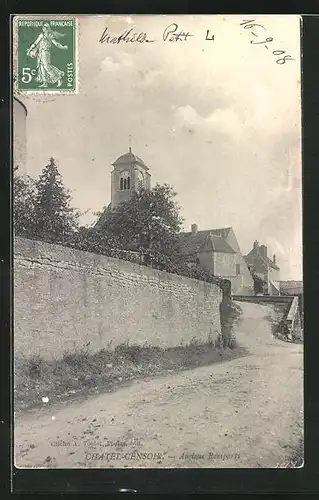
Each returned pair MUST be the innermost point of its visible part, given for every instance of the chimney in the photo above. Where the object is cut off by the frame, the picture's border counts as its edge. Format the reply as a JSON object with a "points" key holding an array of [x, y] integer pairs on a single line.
{"points": [[274, 259], [255, 245], [194, 228], [263, 250]]}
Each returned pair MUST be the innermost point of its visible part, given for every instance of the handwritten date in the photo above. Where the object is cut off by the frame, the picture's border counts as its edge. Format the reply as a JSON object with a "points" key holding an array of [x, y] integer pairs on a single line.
{"points": [[252, 25]]}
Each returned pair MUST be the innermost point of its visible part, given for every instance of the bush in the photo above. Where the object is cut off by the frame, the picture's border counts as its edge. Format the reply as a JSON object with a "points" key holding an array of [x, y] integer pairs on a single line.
{"points": [[80, 370], [229, 316], [35, 367]]}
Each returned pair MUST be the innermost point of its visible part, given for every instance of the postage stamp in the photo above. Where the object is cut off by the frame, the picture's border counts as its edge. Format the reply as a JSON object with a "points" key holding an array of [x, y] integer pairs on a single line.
{"points": [[45, 54]]}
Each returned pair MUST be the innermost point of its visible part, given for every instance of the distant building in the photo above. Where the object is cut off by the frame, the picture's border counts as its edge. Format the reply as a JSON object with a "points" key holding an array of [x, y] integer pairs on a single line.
{"points": [[218, 251], [19, 111], [129, 175], [264, 268]]}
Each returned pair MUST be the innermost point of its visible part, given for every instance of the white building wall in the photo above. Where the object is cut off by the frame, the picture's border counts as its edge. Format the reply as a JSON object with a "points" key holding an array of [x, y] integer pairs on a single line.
{"points": [[19, 135]]}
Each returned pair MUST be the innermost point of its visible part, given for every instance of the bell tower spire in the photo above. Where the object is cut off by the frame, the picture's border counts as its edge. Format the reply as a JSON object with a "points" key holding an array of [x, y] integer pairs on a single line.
{"points": [[130, 174]]}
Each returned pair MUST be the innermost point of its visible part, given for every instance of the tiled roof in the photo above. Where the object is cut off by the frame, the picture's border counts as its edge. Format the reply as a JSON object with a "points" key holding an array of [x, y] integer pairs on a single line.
{"points": [[204, 240], [223, 231], [270, 263], [129, 158], [266, 260]]}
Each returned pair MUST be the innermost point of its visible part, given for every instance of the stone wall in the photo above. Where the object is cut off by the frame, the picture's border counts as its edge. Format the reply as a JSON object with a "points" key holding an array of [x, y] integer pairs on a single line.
{"points": [[65, 299]]}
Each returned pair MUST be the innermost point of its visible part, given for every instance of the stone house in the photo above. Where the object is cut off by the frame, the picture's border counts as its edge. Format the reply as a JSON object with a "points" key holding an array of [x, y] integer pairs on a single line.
{"points": [[218, 251], [265, 268]]}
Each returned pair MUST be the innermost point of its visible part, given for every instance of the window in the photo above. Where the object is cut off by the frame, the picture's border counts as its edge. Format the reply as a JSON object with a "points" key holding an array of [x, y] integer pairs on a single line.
{"points": [[237, 269], [125, 181]]}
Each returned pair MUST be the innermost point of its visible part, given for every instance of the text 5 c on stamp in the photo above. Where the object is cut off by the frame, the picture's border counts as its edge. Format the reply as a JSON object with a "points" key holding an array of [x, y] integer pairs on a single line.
{"points": [[46, 55]]}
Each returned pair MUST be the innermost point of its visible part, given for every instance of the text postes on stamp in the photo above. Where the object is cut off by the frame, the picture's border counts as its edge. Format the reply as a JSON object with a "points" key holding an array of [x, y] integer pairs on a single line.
{"points": [[46, 55]]}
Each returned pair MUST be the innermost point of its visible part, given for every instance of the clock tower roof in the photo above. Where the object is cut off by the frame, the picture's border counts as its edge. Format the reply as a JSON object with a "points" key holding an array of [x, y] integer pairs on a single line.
{"points": [[129, 159]]}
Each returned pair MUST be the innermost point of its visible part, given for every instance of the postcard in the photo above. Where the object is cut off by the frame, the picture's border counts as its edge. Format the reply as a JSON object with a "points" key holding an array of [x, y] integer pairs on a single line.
{"points": [[157, 246]]}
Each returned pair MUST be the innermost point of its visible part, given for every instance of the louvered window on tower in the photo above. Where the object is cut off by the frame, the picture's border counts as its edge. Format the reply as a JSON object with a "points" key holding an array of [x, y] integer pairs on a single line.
{"points": [[125, 181]]}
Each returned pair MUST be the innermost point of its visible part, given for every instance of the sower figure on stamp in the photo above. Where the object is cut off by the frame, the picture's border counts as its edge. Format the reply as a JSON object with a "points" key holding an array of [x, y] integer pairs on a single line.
{"points": [[41, 49]]}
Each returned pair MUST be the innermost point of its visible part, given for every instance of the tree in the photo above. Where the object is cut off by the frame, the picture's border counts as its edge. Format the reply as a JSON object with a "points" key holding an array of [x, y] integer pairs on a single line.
{"points": [[24, 190], [259, 283], [55, 219], [148, 223], [89, 239]]}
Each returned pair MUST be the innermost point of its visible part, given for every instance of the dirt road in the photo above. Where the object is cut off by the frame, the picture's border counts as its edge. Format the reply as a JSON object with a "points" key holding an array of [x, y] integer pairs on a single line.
{"points": [[241, 413]]}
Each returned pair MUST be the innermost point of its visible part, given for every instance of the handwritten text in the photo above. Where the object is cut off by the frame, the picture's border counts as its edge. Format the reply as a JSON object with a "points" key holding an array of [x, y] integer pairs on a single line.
{"points": [[173, 34], [127, 36], [253, 26]]}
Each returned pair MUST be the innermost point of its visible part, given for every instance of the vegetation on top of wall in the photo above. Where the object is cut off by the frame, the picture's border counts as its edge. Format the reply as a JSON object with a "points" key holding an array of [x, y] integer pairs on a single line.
{"points": [[144, 229], [149, 223]]}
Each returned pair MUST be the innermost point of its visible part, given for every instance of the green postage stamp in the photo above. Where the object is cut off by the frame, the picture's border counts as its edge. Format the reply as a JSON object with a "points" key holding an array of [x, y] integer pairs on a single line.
{"points": [[45, 54]]}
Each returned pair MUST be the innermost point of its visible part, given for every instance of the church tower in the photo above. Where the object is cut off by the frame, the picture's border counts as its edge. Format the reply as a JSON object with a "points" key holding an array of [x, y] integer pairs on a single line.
{"points": [[129, 175]]}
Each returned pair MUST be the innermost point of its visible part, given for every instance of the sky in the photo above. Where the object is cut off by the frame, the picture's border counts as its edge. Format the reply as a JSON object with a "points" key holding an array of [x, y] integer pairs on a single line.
{"points": [[218, 120]]}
